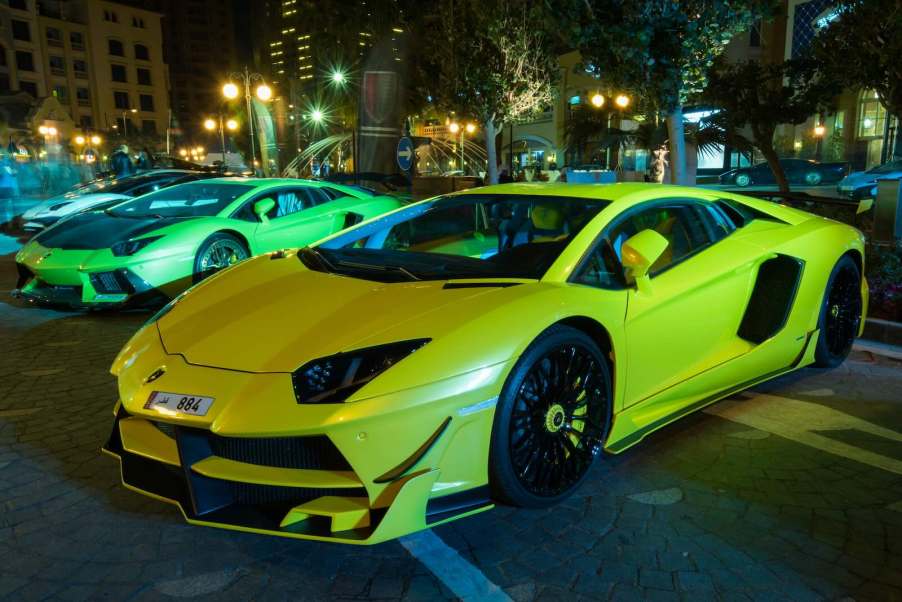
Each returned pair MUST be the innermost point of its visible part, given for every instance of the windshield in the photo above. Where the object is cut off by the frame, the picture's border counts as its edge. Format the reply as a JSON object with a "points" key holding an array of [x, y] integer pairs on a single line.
{"points": [[194, 199], [472, 236], [887, 168]]}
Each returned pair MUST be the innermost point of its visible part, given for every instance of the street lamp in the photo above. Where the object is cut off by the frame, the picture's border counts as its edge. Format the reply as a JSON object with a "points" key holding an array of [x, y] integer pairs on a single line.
{"points": [[338, 77], [597, 100], [819, 131], [79, 140], [125, 121], [231, 91], [622, 101], [211, 124], [456, 128]]}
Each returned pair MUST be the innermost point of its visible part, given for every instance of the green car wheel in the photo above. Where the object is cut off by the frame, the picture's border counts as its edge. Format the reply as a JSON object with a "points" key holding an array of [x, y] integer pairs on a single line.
{"points": [[218, 252], [552, 419]]}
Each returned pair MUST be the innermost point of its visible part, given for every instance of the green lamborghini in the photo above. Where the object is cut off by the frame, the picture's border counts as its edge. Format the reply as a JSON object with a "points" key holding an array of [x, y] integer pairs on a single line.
{"points": [[485, 346], [151, 248]]}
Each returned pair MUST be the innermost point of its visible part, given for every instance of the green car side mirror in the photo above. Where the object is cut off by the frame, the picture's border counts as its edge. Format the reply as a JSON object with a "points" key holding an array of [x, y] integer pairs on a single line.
{"points": [[639, 253], [262, 207]]}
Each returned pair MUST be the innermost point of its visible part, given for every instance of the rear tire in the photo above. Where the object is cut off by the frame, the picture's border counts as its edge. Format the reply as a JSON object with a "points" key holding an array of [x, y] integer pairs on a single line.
{"points": [[840, 315], [742, 180], [813, 178], [552, 420], [218, 252]]}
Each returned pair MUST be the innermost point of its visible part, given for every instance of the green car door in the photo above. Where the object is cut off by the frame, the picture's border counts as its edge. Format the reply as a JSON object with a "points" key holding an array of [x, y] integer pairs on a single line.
{"points": [[299, 215]]}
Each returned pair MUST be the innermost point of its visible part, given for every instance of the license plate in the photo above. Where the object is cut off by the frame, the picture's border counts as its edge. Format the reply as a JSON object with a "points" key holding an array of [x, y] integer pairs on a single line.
{"points": [[178, 403]]}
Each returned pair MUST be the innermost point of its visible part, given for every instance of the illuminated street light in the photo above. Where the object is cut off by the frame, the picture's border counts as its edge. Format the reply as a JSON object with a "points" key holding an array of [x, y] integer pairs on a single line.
{"points": [[230, 91], [79, 140], [52, 131], [210, 124], [43, 130], [317, 115], [454, 127], [231, 124], [819, 130], [597, 100], [183, 152], [338, 77], [200, 150], [622, 101], [264, 92], [95, 140], [471, 128]]}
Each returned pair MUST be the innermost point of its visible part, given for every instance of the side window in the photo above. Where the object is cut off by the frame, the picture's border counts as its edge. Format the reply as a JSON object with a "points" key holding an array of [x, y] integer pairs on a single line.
{"points": [[684, 225], [602, 270], [332, 193], [291, 201]]}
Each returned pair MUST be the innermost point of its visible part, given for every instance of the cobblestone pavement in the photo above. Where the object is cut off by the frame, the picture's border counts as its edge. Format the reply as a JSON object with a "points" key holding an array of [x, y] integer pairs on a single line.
{"points": [[792, 491]]}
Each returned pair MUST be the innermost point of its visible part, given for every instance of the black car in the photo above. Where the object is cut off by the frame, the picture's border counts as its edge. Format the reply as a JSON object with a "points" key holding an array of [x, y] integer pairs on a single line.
{"points": [[798, 171]]}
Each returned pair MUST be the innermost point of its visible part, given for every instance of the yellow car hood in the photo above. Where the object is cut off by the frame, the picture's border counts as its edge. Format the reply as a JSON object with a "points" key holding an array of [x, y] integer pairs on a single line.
{"points": [[275, 315]]}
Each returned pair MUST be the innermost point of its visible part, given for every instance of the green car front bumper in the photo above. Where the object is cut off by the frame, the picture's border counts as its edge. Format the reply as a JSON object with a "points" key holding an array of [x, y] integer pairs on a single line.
{"points": [[97, 278]]}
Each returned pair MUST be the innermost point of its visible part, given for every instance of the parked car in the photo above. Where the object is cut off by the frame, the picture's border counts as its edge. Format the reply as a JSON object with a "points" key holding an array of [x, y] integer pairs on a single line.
{"points": [[863, 184], [478, 348], [104, 192], [151, 248], [798, 171]]}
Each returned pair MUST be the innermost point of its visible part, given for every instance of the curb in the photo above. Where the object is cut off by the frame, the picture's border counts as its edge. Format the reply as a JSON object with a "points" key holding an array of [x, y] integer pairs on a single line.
{"points": [[883, 331]]}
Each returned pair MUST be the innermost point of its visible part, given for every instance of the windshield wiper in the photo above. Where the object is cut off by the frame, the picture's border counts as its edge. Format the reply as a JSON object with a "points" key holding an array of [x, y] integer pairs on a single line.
{"points": [[379, 268]]}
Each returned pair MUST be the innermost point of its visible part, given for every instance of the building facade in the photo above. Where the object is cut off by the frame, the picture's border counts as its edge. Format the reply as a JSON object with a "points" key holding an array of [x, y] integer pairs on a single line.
{"points": [[102, 61]]}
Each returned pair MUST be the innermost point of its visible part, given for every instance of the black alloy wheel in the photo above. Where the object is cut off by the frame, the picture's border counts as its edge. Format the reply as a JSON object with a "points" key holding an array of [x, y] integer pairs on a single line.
{"points": [[552, 419], [840, 314]]}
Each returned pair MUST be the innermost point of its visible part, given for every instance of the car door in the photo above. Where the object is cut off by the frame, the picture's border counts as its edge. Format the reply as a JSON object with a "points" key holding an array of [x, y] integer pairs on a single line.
{"points": [[295, 220], [687, 322]]}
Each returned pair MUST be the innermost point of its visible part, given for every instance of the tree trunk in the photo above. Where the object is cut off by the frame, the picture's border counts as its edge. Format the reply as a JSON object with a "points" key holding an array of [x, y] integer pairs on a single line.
{"points": [[491, 153], [677, 137], [770, 155]]}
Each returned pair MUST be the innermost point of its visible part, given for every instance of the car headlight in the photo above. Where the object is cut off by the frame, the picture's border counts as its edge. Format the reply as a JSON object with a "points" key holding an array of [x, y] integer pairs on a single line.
{"points": [[130, 247], [334, 378]]}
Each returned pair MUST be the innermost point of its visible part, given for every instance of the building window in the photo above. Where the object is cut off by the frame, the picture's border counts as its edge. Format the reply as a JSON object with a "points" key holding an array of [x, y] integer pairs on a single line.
{"points": [[138, 22], [24, 60], [144, 77], [142, 52], [149, 126], [61, 93], [54, 37], [77, 40], [146, 103], [21, 31], [118, 73], [19, 4], [116, 48], [57, 65], [871, 115], [86, 122], [2, 56], [121, 101], [83, 96], [80, 68], [4, 83], [30, 87], [111, 16]]}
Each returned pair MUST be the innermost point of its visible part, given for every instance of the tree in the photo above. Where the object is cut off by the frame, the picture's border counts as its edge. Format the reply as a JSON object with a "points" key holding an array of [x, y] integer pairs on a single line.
{"points": [[756, 98], [860, 48], [661, 50], [492, 60]]}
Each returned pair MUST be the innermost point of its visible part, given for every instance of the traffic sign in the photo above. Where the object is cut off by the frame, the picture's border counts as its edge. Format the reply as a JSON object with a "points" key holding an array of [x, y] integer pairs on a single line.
{"points": [[405, 153]]}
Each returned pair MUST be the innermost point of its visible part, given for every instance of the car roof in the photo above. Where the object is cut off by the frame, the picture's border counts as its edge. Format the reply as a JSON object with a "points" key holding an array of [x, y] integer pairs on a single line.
{"points": [[258, 182]]}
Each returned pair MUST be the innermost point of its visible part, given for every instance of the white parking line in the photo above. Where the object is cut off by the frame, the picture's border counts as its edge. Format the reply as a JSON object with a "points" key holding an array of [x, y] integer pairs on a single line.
{"points": [[800, 421], [462, 578]]}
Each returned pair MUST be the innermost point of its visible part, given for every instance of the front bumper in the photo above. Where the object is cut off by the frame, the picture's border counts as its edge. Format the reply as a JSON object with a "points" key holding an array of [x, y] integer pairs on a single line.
{"points": [[359, 472], [96, 278]]}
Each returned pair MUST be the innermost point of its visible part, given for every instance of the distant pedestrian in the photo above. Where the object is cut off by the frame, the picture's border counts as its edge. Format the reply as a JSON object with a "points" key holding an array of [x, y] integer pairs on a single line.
{"points": [[144, 160], [121, 163], [9, 190]]}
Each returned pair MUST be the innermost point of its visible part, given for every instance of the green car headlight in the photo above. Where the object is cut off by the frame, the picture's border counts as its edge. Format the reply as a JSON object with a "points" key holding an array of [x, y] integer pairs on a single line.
{"points": [[334, 378], [130, 247]]}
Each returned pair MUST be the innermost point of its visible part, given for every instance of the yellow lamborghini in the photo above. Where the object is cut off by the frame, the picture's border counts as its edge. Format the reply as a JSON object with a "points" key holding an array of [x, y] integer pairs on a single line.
{"points": [[486, 346]]}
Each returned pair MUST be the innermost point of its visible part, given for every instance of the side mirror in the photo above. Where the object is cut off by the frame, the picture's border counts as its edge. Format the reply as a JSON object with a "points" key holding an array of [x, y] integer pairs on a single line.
{"points": [[639, 253], [262, 207]]}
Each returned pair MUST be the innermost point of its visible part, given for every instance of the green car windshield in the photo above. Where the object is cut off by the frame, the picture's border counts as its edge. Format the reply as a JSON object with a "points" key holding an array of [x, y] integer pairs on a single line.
{"points": [[194, 199], [470, 236]]}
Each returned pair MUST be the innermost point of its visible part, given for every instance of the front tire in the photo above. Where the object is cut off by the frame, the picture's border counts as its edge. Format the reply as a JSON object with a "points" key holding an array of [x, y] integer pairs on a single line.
{"points": [[813, 178], [218, 252], [840, 315], [552, 420]]}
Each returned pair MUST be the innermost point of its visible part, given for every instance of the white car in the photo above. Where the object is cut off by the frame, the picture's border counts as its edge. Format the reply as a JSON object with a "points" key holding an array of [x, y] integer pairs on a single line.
{"points": [[863, 184], [103, 192]]}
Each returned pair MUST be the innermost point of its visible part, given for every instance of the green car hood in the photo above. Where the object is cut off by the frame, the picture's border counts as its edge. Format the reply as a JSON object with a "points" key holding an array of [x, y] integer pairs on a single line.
{"points": [[99, 230]]}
